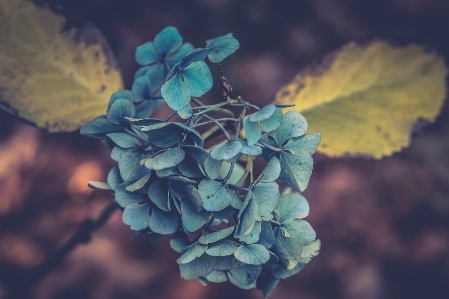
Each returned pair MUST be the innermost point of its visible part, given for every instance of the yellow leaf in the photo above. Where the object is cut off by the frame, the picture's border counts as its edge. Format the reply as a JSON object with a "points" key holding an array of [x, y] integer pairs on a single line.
{"points": [[364, 100], [57, 79]]}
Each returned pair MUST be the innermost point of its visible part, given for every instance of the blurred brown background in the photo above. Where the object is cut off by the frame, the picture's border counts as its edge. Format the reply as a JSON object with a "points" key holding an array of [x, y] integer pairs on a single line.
{"points": [[384, 224]]}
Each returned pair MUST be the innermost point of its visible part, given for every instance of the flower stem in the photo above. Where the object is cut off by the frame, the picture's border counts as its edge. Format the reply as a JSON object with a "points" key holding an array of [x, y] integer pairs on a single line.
{"points": [[269, 146], [210, 121], [220, 125], [276, 222]]}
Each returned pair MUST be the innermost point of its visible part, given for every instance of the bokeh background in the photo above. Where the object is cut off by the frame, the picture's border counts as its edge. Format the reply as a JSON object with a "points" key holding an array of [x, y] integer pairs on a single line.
{"points": [[384, 224]]}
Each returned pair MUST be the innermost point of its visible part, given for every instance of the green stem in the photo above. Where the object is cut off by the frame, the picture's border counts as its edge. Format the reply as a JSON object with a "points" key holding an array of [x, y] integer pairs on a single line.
{"points": [[245, 105], [235, 187], [170, 116], [276, 222], [220, 125], [239, 124], [229, 173], [211, 108], [269, 146], [210, 121]]}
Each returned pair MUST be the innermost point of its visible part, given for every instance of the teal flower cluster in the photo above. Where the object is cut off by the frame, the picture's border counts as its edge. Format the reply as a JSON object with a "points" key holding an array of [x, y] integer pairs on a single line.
{"points": [[225, 224]]}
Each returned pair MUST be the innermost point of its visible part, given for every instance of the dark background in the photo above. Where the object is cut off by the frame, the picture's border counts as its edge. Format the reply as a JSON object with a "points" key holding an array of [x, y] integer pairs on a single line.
{"points": [[384, 224]]}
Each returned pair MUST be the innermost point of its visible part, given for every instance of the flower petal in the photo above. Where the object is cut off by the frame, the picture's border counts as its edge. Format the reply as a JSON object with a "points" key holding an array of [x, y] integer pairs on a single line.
{"points": [[167, 41], [198, 78], [146, 54]]}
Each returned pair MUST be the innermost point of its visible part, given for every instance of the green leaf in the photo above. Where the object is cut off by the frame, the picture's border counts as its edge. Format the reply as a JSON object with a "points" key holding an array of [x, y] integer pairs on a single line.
{"points": [[226, 150], [216, 235], [192, 220], [159, 195], [191, 252], [163, 222], [296, 170], [216, 195], [290, 206], [253, 236], [222, 248], [253, 254], [136, 215], [168, 158], [53, 76], [246, 274], [366, 98], [298, 229]]}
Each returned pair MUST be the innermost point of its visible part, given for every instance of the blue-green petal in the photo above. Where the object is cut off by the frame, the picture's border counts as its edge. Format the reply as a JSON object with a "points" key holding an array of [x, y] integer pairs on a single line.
{"points": [[163, 222], [136, 215], [252, 130], [264, 113], [124, 197], [222, 47], [120, 109], [146, 54], [192, 220], [159, 195], [167, 41], [99, 127], [226, 150], [176, 93], [198, 78], [273, 122], [183, 51], [121, 94], [293, 125]]}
